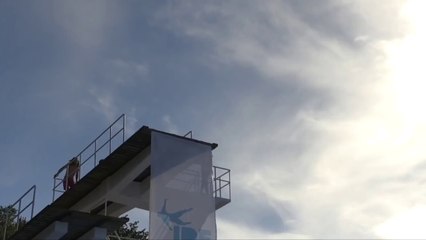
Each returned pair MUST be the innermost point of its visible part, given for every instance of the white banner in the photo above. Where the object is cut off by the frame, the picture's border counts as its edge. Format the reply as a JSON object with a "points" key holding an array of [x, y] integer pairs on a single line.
{"points": [[182, 205]]}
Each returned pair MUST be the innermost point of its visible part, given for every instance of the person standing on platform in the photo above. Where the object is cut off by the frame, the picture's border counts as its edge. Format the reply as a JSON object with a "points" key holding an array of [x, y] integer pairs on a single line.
{"points": [[71, 174]]}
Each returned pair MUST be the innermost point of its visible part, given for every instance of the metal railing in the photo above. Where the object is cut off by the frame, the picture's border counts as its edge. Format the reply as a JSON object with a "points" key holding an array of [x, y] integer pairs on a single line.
{"points": [[222, 182], [102, 144], [18, 206], [188, 134]]}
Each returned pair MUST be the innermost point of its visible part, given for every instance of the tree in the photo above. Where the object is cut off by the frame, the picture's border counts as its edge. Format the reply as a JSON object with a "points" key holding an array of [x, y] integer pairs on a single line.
{"points": [[130, 231], [9, 223]]}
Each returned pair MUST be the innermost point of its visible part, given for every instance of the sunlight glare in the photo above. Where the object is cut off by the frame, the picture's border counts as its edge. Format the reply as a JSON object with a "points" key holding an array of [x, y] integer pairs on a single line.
{"points": [[407, 225], [406, 62]]}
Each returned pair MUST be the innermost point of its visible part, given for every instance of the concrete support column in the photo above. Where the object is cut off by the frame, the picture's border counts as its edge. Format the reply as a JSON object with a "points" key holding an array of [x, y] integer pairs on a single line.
{"points": [[54, 231], [95, 233]]}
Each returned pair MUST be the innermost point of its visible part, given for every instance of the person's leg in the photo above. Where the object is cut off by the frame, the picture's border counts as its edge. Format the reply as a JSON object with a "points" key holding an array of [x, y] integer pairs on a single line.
{"points": [[71, 182]]}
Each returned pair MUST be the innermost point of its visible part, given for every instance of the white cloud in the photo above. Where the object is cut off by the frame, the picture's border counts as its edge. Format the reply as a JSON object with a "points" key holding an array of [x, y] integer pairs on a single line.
{"points": [[336, 151], [104, 104], [116, 75], [362, 38], [132, 123], [170, 126], [406, 225], [85, 23], [228, 230], [345, 165], [125, 72]]}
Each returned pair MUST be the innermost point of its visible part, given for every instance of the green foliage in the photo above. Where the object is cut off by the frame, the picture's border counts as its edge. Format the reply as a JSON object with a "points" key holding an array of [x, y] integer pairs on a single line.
{"points": [[130, 230], [9, 222]]}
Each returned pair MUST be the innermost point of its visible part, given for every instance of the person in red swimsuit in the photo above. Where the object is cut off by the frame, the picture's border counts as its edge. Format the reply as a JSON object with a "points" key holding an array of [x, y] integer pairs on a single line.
{"points": [[71, 175]]}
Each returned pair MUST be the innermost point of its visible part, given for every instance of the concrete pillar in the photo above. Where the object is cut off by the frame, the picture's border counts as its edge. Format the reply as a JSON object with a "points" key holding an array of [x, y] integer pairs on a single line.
{"points": [[54, 231], [95, 233]]}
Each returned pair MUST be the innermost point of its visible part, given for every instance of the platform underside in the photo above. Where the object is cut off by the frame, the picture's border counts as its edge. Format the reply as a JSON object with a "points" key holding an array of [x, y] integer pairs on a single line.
{"points": [[78, 223]]}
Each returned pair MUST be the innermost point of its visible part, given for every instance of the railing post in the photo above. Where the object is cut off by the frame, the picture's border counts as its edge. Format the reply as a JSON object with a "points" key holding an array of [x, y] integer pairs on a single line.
{"points": [[96, 150], [124, 126], [66, 178], [19, 213], [79, 167], [109, 140], [105, 207], [32, 208], [215, 184], [54, 189], [229, 183], [220, 184], [188, 133]]}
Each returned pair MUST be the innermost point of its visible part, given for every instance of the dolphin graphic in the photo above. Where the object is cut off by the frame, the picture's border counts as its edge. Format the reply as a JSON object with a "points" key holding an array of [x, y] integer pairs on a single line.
{"points": [[172, 217]]}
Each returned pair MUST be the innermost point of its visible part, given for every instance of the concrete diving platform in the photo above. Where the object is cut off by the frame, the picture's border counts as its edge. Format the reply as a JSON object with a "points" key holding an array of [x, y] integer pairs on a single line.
{"points": [[117, 184]]}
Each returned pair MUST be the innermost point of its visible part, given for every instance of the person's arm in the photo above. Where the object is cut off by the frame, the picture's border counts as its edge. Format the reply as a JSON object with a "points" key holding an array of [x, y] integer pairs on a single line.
{"points": [[61, 169]]}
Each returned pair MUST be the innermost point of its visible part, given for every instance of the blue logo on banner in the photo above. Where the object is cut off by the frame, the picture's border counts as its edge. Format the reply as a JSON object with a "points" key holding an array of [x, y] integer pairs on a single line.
{"points": [[175, 224]]}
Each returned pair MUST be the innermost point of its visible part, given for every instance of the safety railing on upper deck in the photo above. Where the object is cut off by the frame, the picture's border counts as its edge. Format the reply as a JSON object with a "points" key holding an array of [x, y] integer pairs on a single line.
{"points": [[98, 149], [221, 179], [14, 218], [222, 182]]}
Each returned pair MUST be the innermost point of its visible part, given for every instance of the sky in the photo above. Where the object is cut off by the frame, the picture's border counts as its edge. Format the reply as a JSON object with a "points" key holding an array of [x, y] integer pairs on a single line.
{"points": [[317, 106]]}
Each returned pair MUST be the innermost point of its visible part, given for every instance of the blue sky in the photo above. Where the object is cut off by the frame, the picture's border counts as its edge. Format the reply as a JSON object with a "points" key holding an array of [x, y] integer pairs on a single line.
{"points": [[316, 105]]}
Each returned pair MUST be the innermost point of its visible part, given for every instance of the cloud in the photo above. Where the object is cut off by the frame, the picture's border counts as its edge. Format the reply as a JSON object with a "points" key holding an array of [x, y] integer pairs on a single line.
{"points": [[230, 230], [125, 72], [169, 125], [114, 77], [396, 227], [104, 104], [325, 148], [283, 40], [317, 109], [264, 215], [85, 24]]}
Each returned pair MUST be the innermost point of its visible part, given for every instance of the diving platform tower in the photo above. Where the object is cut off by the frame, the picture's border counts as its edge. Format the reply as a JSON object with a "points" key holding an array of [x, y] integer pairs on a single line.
{"points": [[108, 187]]}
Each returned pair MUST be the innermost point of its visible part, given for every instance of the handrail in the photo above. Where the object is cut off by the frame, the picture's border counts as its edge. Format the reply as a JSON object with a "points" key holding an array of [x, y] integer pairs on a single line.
{"points": [[20, 209], [188, 133], [221, 168], [110, 137], [100, 135], [222, 181]]}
